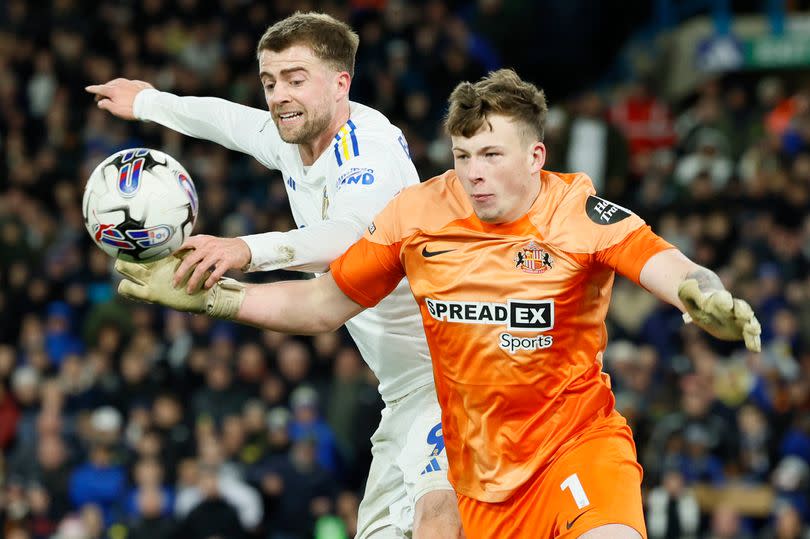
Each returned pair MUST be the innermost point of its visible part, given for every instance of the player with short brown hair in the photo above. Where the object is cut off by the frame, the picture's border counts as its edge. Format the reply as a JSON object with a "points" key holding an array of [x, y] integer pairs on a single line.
{"points": [[512, 267]]}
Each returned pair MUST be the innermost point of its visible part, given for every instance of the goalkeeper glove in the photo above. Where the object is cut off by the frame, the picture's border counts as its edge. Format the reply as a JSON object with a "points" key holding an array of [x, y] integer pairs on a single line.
{"points": [[720, 314], [152, 283]]}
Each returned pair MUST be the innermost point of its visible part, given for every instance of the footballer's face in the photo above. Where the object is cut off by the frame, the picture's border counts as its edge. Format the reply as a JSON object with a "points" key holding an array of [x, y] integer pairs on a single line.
{"points": [[302, 92], [498, 167]]}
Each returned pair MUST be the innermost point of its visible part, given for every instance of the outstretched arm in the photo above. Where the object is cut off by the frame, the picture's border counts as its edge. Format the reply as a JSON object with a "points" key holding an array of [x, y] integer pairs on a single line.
{"points": [[229, 124], [303, 307], [698, 291], [664, 272]]}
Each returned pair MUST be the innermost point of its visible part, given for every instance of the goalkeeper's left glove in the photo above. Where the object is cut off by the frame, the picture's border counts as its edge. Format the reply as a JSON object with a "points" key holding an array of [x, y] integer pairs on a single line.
{"points": [[152, 283], [720, 314]]}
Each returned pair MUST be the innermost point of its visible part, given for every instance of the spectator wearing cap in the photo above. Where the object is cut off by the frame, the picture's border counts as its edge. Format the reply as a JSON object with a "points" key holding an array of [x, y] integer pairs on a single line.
{"points": [[307, 423]]}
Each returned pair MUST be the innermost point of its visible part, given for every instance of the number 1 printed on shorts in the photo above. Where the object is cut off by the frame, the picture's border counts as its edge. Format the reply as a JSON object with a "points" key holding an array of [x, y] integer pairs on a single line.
{"points": [[573, 484]]}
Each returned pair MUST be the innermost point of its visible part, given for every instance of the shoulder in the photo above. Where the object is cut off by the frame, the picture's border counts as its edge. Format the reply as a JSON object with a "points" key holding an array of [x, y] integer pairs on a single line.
{"points": [[430, 205], [582, 221], [368, 134], [433, 192], [367, 119]]}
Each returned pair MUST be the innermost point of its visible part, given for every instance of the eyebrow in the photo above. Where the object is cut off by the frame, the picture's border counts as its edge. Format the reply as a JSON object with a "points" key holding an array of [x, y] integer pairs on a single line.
{"points": [[283, 72], [480, 150]]}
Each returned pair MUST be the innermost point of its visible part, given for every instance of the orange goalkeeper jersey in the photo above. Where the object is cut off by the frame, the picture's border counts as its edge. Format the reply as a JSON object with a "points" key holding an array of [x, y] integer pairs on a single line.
{"points": [[513, 314]]}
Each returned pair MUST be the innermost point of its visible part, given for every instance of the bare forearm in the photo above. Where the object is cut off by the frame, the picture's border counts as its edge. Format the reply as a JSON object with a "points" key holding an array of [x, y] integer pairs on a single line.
{"points": [[301, 307], [665, 271]]}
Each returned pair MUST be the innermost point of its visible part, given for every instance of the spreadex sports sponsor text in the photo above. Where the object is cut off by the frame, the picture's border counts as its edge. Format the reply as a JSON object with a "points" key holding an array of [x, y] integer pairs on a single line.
{"points": [[516, 315]]}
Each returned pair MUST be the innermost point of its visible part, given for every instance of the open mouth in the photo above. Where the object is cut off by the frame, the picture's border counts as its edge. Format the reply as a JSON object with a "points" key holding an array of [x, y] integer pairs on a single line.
{"points": [[289, 117]]}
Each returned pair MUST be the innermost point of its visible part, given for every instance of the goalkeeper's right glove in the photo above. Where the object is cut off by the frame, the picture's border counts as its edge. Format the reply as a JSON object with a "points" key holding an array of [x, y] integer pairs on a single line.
{"points": [[720, 314], [152, 283]]}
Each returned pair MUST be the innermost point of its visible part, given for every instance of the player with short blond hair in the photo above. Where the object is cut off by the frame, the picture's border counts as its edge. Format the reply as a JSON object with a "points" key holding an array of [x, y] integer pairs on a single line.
{"points": [[341, 163], [512, 267]]}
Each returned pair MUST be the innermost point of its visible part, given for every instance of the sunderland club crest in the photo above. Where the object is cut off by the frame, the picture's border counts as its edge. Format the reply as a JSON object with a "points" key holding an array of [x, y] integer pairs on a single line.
{"points": [[533, 259]]}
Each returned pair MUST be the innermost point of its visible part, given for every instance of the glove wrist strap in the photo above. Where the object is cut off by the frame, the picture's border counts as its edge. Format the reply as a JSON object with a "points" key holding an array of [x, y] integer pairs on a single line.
{"points": [[225, 299]]}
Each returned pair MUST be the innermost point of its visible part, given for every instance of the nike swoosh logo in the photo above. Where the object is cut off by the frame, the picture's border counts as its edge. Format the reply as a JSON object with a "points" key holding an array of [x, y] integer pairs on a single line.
{"points": [[570, 523], [428, 254]]}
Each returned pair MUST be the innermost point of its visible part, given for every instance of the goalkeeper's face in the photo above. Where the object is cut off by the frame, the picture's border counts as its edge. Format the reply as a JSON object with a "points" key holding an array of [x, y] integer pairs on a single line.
{"points": [[301, 91], [498, 167]]}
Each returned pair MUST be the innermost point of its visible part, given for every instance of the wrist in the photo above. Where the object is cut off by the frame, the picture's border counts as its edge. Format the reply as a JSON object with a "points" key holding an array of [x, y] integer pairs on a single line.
{"points": [[140, 105], [246, 257], [225, 299], [707, 280]]}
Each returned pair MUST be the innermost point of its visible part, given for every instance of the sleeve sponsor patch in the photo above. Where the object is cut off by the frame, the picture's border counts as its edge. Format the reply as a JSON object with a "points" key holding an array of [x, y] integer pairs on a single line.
{"points": [[604, 212], [356, 176]]}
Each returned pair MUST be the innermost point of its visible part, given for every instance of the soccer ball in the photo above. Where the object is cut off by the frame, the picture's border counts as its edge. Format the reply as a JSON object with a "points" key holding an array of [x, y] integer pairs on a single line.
{"points": [[139, 205]]}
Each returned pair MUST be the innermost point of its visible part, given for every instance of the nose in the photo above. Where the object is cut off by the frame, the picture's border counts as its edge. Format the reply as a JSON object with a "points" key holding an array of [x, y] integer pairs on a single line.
{"points": [[279, 96], [475, 171]]}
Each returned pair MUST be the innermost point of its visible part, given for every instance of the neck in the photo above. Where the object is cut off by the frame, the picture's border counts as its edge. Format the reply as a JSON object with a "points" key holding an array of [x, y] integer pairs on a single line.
{"points": [[312, 150]]}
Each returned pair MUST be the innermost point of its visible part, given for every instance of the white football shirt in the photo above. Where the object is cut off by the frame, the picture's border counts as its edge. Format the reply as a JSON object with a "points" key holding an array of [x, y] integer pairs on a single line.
{"points": [[332, 202]]}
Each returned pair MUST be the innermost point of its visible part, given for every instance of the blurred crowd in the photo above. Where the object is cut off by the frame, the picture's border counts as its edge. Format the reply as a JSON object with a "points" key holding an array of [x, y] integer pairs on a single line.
{"points": [[120, 420]]}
